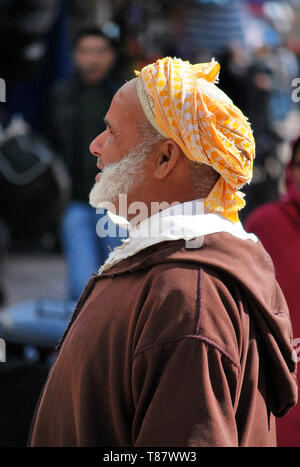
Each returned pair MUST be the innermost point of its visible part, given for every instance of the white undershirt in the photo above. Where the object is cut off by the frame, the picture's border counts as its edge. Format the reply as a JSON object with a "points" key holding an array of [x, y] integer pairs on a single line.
{"points": [[186, 221]]}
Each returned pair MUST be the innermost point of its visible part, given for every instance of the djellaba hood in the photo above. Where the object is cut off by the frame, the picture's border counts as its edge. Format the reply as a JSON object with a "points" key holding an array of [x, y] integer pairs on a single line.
{"points": [[252, 267]]}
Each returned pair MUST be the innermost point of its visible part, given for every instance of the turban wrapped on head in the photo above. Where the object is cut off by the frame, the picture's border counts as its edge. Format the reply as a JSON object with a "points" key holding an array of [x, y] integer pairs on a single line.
{"points": [[183, 103]]}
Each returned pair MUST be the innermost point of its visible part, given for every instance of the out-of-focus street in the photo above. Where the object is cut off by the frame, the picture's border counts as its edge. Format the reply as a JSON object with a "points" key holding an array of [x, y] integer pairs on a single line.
{"points": [[45, 277], [65, 62]]}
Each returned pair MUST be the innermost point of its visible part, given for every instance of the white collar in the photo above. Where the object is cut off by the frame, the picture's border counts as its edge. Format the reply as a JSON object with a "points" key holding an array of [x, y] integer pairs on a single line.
{"points": [[186, 221]]}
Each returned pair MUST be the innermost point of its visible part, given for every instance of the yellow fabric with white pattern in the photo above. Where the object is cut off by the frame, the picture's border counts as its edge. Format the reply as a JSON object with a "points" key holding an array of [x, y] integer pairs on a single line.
{"points": [[204, 122]]}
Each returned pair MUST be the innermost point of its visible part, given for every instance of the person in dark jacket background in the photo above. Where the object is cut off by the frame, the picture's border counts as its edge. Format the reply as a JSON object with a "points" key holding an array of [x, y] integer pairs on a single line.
{"points": [[75, 115], [277, 225]]}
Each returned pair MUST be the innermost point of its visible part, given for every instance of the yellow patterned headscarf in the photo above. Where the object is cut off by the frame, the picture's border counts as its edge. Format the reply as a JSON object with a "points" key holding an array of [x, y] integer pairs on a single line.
{"points": [[188, 107]]}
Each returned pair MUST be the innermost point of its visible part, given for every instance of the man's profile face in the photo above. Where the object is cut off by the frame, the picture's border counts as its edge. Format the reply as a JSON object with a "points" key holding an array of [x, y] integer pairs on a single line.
{"points": [[121, 133], [94, 57], [120, 137]]}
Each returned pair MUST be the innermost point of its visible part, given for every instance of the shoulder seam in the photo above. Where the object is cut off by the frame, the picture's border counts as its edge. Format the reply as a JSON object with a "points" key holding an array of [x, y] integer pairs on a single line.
{"points": [[189, 336]]}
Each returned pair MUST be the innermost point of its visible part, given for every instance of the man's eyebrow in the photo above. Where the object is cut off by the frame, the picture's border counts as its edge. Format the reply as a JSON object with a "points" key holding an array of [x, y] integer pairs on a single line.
{"points": [[107, 123]]}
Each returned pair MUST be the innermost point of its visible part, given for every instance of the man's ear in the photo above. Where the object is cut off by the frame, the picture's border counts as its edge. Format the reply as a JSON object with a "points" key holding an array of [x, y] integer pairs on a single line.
{"points": [[166, 158]]}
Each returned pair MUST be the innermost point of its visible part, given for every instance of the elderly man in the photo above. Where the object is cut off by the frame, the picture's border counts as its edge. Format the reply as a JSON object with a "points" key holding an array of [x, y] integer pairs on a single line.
{"points": [[184, 337]]}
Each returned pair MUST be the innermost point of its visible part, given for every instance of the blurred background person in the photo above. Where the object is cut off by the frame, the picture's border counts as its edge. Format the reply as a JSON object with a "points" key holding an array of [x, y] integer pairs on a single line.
{"points": [[37, 56], [75, 115], [277, 225]]}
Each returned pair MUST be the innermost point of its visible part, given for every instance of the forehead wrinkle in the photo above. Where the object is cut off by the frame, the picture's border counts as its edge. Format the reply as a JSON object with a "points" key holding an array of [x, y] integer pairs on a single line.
{"points": [[125, 110], [127, 95]]}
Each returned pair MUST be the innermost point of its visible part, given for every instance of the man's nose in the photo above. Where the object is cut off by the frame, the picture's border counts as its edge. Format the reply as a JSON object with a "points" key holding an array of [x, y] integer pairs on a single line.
{"points": [[96, 145]]}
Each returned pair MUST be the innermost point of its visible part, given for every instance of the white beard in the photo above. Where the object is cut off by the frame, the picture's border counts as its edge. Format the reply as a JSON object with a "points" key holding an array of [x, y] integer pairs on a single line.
{"points": [[119, 177]]}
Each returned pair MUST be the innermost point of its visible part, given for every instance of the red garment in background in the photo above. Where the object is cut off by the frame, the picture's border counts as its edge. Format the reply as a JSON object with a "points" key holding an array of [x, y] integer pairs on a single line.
{"points": [[277, 225]]}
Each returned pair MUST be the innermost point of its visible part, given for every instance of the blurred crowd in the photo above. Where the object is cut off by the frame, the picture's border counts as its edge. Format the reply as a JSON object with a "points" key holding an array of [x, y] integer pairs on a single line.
{"points": [[256, 42], [62, 63]]}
